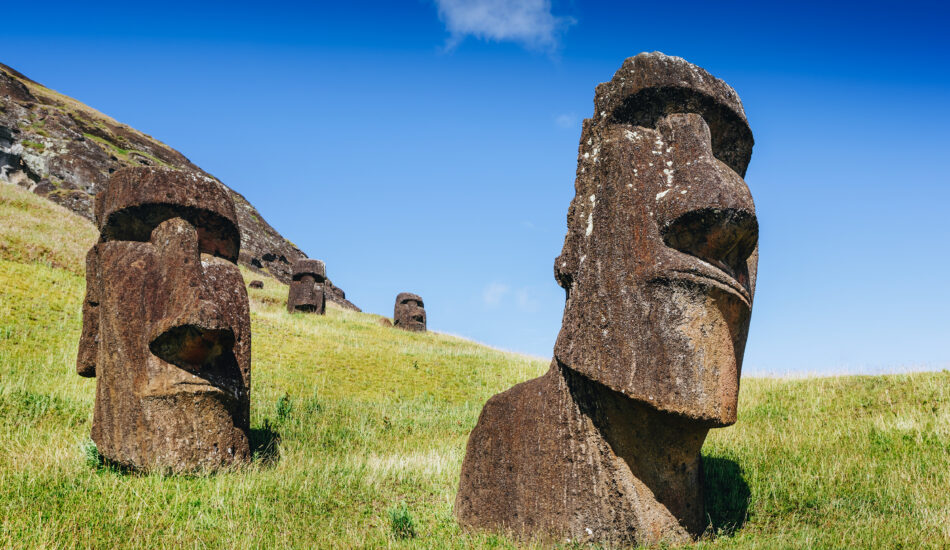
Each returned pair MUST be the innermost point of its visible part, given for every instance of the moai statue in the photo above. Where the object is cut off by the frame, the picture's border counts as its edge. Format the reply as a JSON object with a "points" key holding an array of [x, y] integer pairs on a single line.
{"points": [[307, 292], [409, 312], [256, 284], [166, 328], [659, 266]]}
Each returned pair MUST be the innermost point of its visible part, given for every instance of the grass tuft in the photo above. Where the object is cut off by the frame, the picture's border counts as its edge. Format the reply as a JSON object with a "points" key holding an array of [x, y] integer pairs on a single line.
{"points": [[401, 523]]}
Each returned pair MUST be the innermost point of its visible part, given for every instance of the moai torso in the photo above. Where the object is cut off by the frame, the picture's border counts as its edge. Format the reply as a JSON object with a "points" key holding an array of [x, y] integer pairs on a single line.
{"points": [[409, 312], [166, 327], [307, 289], [659, 269]]}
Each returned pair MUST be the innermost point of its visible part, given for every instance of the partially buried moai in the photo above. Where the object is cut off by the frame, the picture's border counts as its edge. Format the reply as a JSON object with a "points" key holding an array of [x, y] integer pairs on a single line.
{"points": [[409, 312], [307, 289], [659, 267], [166, 328]]}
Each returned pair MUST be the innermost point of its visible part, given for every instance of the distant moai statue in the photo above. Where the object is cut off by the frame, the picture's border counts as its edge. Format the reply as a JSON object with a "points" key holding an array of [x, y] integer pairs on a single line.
{"points": [[256, 284], [409, 312], [166, 328], [659, 267], [307, 289]]}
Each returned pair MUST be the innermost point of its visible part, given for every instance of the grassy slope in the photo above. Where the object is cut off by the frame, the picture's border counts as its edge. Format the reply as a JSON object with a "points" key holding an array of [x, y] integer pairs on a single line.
{"points": [[368, 417]]}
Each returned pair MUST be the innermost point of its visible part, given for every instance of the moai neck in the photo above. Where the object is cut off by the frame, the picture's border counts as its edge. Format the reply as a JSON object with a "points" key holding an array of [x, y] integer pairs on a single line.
{"points": [[661, 450]]}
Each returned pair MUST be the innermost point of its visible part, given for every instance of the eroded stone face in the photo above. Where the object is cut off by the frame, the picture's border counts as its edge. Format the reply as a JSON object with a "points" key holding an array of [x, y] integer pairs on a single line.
{"points": [[166, 326], [409, 312], [308, 287], [659, 267]]}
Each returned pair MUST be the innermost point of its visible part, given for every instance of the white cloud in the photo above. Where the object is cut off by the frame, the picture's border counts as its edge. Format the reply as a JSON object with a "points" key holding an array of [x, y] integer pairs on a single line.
{"points": [[566, 120], [527, 22], [493, 294], [526, 301]]}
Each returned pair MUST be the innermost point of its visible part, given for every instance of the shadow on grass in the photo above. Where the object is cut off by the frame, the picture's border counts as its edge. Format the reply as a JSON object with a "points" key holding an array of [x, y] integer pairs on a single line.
{"points": [[265, 444], [726, 494]]}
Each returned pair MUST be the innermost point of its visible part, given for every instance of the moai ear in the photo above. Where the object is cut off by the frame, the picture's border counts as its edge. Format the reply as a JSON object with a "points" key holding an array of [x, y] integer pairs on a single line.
{"points": [[89, 341]]}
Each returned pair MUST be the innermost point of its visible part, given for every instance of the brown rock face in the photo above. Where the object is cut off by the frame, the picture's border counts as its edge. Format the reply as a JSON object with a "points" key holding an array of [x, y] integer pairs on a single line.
{"points": [[659, 266], [308, 288], [409, 312], [166, 326]]}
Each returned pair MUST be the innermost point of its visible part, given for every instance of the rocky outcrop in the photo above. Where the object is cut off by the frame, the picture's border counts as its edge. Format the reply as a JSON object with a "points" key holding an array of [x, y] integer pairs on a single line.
{"points": [[65, 151]]}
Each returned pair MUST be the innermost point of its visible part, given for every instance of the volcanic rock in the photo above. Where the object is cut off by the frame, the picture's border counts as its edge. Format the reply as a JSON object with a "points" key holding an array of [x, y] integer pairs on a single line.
{"points": [[307, 290], [409, 312], [166, 326], [658, 267]]}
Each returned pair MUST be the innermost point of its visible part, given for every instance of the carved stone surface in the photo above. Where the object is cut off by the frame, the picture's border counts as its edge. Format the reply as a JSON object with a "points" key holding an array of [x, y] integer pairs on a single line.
{"points": [[658, 266], [409, 312], [256, 284], [308, 287], [166, 326]]}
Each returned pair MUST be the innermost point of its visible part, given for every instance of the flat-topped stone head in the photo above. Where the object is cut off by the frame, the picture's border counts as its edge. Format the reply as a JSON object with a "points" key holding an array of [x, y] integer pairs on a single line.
{"points": [[166, 326], [409, 312], [659, 267], [308, 287], [659, 261]]}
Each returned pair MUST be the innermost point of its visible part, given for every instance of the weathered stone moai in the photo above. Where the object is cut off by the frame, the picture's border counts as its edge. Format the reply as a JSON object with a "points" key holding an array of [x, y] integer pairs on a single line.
{"points": [[307, 289], [659, 267], [256, 284], [166, 328], [409, 312]]}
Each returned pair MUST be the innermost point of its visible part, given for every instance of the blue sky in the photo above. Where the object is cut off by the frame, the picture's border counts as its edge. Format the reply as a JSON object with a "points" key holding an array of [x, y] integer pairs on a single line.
{"points": [[430, 146]]}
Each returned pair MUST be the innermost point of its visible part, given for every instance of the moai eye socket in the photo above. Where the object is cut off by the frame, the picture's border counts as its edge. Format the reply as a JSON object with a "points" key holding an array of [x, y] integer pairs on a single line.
{"points": [[138, 200], [723, 237]]}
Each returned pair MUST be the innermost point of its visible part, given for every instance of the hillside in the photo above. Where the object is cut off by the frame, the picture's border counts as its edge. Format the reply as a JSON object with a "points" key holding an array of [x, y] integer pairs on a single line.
{"points": [[356, 425], [64, 150]]}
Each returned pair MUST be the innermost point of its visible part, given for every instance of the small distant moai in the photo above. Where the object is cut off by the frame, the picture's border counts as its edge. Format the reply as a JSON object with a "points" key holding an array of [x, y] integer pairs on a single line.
{"points": [[166, 327], [659, 267], [307, 289], [256, 284], [409, 313]]}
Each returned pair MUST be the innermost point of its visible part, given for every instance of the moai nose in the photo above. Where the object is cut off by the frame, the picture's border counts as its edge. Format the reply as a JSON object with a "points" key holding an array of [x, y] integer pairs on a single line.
{"points": [[192, 332]]}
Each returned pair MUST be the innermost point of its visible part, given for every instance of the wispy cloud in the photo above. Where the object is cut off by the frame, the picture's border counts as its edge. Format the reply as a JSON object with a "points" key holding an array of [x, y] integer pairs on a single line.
{"points": [[496, 295], [566, 120], [526, 22], [493, 294]]}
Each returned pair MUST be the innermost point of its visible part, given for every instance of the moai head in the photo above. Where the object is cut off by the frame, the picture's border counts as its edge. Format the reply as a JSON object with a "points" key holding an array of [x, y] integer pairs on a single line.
{"points": [[409, 313], [166, 328], [307, 289], [659, 260]]}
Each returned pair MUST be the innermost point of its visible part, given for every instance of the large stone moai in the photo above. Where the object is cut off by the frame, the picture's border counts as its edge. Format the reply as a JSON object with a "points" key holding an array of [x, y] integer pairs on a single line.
{"points": [[166, 328], [659, 266], [308, 287], [409, 312]]}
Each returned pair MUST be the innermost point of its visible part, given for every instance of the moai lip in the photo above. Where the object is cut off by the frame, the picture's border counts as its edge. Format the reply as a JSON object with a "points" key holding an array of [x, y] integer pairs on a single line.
{"points": [[658, 268], [307, 292], [166, 325], [409, 312]]}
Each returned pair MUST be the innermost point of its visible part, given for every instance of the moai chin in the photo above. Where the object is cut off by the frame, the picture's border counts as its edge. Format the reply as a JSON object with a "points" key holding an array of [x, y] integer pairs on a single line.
{"points": [[409, 312], [659, 266], [166, 327], [307, 289]]}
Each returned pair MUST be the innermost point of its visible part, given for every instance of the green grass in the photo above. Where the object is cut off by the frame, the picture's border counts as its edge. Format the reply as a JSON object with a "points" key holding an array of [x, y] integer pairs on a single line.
{"points": [[33, 145], [367, 428]]}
